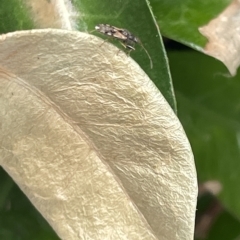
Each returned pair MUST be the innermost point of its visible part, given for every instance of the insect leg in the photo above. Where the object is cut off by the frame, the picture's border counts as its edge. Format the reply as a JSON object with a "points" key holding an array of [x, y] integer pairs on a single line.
{"points": [[106, 40], [127, 46], [120, 49]]}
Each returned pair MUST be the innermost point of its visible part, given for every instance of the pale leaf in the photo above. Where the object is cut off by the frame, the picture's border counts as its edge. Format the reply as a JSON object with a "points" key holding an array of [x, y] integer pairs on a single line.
{"points": [[91, 141], [224, 38], [55, 14]]}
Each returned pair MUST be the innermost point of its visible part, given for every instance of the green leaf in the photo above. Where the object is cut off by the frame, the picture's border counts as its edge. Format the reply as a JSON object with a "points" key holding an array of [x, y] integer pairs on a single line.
{"points": [[14, 16], [180, 19], [135, 16], [209, 110], [18, 218]]}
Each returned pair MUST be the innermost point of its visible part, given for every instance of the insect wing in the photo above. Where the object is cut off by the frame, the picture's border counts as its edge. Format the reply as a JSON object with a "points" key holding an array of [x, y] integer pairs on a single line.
{"points": [[119, 35]]}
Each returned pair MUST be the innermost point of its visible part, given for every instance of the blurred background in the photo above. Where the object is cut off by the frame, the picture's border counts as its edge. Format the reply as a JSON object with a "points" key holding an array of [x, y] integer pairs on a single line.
{"points": [[207, 102]]}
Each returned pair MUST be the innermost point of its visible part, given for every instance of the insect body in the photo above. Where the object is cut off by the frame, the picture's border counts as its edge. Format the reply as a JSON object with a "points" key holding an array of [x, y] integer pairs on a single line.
{"points": [[126, 38]]}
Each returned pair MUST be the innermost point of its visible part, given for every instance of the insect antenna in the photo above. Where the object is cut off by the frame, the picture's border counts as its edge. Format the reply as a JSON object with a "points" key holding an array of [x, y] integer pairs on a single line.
{"points": [[150, 59]]}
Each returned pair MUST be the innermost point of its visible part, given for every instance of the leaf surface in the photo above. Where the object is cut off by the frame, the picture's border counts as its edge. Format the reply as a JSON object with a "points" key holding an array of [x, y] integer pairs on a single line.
{"points": [[91, 141]]}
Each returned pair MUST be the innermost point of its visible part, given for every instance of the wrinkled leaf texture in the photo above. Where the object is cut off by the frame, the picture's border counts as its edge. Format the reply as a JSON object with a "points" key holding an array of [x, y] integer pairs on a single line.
{"points": [[91, 141]]}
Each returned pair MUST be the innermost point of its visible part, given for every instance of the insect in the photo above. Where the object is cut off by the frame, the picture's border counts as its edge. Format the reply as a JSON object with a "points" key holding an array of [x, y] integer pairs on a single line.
{"points": [[126, 38]]}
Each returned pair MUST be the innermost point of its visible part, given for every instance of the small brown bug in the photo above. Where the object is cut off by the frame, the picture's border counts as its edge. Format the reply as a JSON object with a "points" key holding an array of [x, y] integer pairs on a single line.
{"points": [[126, 38]]}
